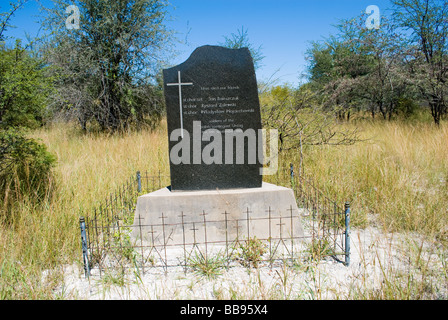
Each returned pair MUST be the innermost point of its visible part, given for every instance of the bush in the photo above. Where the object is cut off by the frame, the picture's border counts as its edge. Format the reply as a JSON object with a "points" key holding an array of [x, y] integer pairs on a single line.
{"points": [[407, 107], [25, 168], [250, 252]]}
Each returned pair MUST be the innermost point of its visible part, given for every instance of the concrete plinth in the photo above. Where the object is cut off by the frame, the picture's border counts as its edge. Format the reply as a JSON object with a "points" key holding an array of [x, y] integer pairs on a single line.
{"points": [[190, 217]]}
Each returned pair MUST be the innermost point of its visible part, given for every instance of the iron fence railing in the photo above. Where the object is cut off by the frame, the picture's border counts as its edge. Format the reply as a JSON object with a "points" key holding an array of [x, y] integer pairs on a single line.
{"points": [[107, 241]]}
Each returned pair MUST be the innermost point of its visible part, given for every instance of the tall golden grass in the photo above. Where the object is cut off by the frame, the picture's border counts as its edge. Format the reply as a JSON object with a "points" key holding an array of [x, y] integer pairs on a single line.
{"points": [[397, 177], [90, 167]]}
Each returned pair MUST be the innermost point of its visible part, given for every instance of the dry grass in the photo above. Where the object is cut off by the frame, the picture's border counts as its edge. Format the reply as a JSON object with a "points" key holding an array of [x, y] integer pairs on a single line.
{"points": [[398, 178], [89, 168], [399, 174]]}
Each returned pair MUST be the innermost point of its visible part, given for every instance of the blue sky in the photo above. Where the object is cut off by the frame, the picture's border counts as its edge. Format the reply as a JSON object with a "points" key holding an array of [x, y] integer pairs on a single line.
{"points": [[283, 28]]}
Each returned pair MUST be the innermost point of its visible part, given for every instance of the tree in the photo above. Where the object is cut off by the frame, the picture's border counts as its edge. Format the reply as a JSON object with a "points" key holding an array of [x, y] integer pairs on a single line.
{"points": [[337, 68], [109, 66], [361, 68], [321, 64], [386, 82], [427, 21], [24, 88], [24, 81], [25, 164], [5, 17], [301, 121]]}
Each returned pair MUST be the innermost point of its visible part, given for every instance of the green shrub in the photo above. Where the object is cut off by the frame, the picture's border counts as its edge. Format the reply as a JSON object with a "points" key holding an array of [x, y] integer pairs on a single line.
{"points": [[24, 88], [210, 266], [250, 252], [407, 108], [25, 168]]}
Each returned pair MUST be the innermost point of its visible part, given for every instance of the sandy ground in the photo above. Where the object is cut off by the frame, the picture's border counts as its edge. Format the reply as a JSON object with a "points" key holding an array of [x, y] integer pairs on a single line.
{"points": [[376, 259]]}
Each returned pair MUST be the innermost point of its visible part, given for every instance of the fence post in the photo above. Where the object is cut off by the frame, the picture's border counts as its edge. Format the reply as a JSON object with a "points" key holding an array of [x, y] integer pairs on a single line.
{"points": [[291, 170], [82, 225], [139, 182], [347, 234]]}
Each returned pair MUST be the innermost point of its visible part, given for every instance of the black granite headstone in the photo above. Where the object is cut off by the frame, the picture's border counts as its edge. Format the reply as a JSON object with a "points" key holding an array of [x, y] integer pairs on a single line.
{"points": [[214, 121]]}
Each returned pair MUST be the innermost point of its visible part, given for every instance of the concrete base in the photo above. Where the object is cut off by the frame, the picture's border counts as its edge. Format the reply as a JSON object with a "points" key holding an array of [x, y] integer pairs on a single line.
{"points": [[195, 217]]}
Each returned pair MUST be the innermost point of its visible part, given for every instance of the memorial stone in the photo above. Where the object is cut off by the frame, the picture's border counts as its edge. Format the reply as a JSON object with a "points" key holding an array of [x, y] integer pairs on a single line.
{"points": [[214, 122], [215, 147]]}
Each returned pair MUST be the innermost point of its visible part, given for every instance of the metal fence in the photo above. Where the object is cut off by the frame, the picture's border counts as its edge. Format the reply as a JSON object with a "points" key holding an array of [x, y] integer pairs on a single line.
{"points": [[107, 241]]}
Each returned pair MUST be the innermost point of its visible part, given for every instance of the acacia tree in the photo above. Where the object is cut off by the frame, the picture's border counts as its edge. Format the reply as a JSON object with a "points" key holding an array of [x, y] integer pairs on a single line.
{"points": [[386, 83], [427, 20], [110, 64], [362, 68], [338, 67]]}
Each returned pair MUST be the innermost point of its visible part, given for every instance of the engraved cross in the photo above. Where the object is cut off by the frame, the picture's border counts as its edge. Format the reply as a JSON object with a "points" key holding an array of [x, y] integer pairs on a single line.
{"points": [[180, 84]]}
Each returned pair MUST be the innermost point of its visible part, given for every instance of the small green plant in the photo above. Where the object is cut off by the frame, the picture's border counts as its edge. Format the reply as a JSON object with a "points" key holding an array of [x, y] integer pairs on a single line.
{"points": [[250, 252], [114, 277], [123, 245], [208, 266], [320, 248]]}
